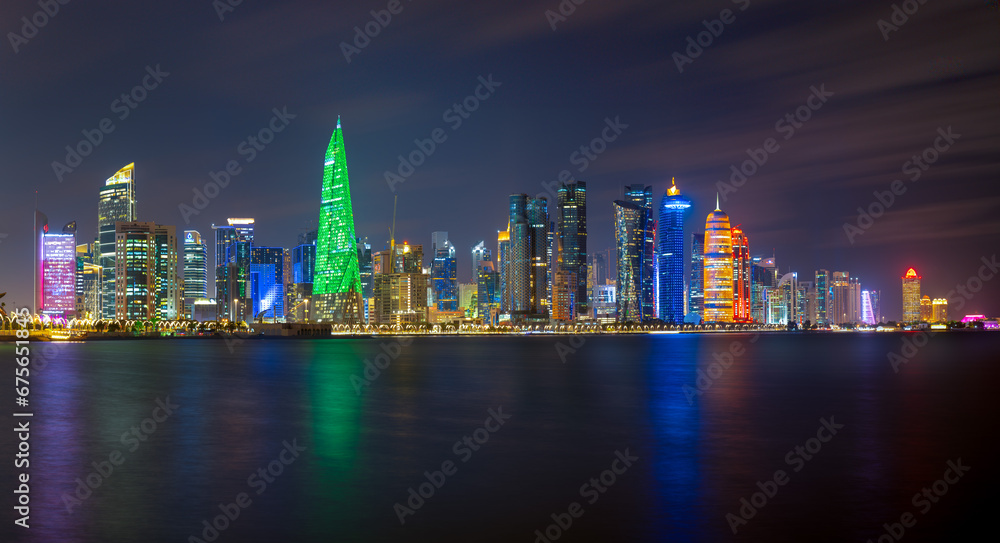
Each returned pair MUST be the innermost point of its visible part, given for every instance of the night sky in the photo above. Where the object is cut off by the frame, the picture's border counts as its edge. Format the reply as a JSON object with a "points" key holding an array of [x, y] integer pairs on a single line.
{"points": [[557, 89]]}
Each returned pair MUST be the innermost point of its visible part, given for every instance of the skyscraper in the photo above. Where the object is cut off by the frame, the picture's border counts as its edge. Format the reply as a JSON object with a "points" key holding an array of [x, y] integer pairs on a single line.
{"points": [[939, 311], [233, 246], [926, 309], [742, 276], [844, 303], [673, 206], [642, 197], [911, 296], [630, 236], [167, 280], [867, 308], [479, 254], [488, 292], [337, 282], [822, 297], [718, 267], [266, 283], [527, 273], [400, 286], [195, 266], [571, 240], [116, 203], [444, 275], [58, 286], [696, 288], [503, 269], [564, 291], [135, 276]]}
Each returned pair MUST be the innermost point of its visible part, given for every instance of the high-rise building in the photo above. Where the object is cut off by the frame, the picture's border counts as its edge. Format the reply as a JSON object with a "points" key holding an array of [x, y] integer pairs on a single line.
{"points": [[58, 268], [718, 267], [696, 286], [233, 248], [479, 254], [670, 256], [742, 276], [630, 235], [571, 242], [337, 282], [926, 309], [444, 274], [195, 270], [266, 283], [762, 280], [488, 292], [364, 267], [822, 297], [503, 270], [605, 304], [911, 296], [88, 282], [116, 203], [135, 275], [528, 265], [168, 281], [564, 293], [844, 303], [438, 240], [867, 308], [400, 286], [939, 311], [642, 196]]}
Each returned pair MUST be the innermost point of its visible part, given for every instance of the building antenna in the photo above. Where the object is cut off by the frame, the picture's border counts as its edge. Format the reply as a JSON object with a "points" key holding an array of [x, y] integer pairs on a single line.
{"points": [[34, 242], [392, 231]]}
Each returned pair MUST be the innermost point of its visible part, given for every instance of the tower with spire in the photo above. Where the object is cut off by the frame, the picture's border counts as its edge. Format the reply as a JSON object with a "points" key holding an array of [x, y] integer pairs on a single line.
{"points": [[718, 266], [337, 278]]}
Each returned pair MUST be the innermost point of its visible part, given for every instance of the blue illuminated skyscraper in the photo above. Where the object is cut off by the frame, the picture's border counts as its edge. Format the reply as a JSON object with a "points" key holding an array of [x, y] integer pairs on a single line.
{"points": [[266, 285], [445, 277], [671, 255]]}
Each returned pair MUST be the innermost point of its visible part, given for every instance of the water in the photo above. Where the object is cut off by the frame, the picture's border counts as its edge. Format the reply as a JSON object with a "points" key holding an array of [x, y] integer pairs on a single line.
{"points": [[567, 409]]}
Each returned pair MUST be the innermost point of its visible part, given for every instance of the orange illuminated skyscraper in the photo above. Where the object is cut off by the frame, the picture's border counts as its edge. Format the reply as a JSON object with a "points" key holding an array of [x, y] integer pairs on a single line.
{"points": [[911, 296], [742, 266], [718, 267]]}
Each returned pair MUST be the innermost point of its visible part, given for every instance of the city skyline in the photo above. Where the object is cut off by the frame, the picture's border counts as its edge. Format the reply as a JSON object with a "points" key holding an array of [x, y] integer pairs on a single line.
{"points": [[795, 204]]}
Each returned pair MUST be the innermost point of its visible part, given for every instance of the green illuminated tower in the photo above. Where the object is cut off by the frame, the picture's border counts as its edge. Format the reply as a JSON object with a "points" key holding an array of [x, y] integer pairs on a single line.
{"points": [[337, 280]]}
